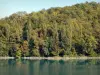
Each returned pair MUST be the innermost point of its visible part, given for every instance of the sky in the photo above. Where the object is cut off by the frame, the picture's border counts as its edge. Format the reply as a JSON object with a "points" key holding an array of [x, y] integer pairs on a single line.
{"points": [[8, 7]]}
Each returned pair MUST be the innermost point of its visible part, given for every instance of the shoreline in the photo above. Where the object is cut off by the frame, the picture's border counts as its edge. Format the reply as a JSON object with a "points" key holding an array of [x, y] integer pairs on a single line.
{"points": [[53, 58], [6, 58], [60, 58]]}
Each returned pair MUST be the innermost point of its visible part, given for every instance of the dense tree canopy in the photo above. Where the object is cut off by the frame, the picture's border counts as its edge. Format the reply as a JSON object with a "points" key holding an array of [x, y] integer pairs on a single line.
{"points": [[68, 31]]}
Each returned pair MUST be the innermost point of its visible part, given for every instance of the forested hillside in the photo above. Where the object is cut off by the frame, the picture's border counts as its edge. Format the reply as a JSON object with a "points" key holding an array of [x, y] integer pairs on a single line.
{"points": [[61, 31]]}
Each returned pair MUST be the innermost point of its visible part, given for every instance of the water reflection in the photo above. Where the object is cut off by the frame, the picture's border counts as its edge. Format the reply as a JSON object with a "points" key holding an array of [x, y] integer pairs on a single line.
{"points": [[49, 67]]}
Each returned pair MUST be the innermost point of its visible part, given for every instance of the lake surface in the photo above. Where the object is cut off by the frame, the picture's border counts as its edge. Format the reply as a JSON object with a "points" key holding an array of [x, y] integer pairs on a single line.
{"points": [[49, 67]]}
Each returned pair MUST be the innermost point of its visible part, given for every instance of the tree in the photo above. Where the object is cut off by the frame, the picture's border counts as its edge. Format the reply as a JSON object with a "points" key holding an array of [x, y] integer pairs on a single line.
{"points": [[25, 49], [31, 46], [90, 45]]}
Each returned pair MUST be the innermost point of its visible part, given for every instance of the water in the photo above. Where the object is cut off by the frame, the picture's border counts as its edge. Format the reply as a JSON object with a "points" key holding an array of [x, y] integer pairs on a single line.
{"points": [[49, 67]]}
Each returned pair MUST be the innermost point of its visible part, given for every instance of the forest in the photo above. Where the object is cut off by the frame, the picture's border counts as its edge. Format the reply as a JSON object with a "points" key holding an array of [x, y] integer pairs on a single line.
{"points": [[57, 31]]}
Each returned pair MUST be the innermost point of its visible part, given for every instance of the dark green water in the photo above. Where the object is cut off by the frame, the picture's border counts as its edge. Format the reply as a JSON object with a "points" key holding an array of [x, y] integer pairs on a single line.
{"points": [[49, 67]]}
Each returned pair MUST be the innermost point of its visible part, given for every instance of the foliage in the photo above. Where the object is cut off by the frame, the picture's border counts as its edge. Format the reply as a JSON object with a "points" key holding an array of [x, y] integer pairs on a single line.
{"points": [[36, 52], [67, 31]]}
